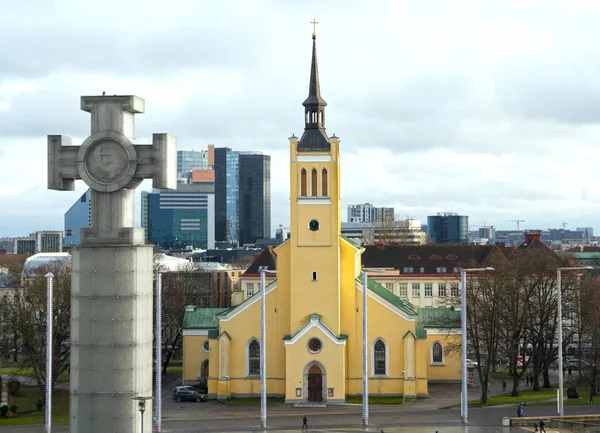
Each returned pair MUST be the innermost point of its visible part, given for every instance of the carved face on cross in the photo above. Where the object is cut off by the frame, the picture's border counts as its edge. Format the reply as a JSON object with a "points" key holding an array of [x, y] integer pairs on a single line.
{"points": [[112, 163]]}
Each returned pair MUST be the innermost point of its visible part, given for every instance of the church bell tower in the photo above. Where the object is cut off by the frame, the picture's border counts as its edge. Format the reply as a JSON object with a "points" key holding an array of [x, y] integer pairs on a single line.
{"points": [[315, 213]]}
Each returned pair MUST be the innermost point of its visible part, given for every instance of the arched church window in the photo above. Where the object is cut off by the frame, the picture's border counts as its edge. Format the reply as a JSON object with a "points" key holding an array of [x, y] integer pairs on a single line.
{"points": [[379, 357], [308, 117], [303, 183], [437, 353], [321, 116], [324, 179], [313, 182], [254, 357]]}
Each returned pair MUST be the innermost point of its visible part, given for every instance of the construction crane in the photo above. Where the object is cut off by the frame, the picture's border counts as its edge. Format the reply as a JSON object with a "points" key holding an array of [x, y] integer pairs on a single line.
{"points": [[518, 223]]}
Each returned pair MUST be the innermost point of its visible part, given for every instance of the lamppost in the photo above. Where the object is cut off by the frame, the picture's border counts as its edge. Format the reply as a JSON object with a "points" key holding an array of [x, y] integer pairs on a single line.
{"points": [[142, 407], [464, 405], [561, 409], [263, 348], [158, 350], [365, 351], [49, 334]]}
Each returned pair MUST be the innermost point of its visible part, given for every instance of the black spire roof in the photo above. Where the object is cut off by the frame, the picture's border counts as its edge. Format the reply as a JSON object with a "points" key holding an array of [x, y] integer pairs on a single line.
{"points": [[314, 137]]}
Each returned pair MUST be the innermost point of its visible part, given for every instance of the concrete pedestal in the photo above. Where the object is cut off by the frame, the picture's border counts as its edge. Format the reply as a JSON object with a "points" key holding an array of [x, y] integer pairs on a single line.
{"points": [[111, 338]]}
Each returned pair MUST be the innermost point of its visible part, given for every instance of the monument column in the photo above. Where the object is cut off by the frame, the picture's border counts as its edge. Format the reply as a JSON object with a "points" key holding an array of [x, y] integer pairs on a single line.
{"points": [[111, 299]]}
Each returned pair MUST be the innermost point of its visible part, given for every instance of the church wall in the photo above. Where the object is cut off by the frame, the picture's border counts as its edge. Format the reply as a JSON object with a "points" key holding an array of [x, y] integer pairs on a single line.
{"points": [[283, 289], [348, 306], [213, 367], [193, 356], [451, 370], [391, 328], [243, 328]]}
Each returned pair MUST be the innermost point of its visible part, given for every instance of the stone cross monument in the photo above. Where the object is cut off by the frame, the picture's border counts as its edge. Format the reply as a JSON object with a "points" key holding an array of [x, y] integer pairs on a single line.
{"points": [[111, 299]]}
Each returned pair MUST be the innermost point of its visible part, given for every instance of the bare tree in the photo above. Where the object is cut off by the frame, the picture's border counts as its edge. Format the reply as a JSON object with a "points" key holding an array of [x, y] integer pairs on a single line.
{"points": [[393, 230], [186, 286], [27, 314], [590, 337]]}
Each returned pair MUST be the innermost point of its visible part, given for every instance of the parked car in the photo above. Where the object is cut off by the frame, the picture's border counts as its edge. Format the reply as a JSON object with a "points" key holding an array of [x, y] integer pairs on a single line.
{"points": [[187, 393], [471, 363]]}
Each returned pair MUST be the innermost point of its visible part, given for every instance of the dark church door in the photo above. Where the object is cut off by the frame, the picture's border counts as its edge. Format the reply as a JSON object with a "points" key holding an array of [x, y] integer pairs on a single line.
{"points": [[315, 384]]}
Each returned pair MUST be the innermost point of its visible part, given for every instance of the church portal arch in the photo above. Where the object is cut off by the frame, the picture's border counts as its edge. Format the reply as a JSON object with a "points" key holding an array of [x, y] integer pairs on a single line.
{"points": [[314, 382]]}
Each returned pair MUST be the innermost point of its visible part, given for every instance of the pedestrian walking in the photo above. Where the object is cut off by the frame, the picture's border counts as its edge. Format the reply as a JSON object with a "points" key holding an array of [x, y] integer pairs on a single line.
{"points": [[570, 370], [535, 426], [527, 380], [304, 423], [542, 425], [520, 410], [503, 385]]}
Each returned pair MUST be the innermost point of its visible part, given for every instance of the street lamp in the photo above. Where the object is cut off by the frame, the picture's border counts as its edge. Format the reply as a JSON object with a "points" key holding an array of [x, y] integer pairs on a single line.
{"points": [[365, 351], [561, 409], [142, 407], [464, 412], [263, 348]]}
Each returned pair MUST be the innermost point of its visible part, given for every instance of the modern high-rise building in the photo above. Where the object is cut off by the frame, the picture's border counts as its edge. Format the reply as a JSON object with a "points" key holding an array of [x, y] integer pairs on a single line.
{"points": [[367, 213], [144, 213], [182, 219], [254, 197], [188, 160], [242, 196], [77, 217], [448, 228]]}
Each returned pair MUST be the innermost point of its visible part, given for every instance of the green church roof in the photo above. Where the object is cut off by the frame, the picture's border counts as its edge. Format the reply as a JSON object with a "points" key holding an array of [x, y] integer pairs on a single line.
{"points": [[384, 293], [350, 241], [202, 318], [440, 317]]}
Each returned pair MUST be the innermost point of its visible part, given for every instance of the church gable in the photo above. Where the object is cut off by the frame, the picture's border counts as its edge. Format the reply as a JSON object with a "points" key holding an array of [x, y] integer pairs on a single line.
{"points": [[398, 305], [314, 321]]}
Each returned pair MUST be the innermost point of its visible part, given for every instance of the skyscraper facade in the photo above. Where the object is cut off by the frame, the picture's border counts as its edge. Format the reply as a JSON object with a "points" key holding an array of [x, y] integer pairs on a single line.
{"points": [[254, 197], [77, 217], [448, 228], [242, 196], [182, 219]]}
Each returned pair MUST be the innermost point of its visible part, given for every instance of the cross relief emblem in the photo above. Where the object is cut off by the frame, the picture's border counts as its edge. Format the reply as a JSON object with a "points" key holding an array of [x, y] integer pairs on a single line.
{"points": [[113, 164]]}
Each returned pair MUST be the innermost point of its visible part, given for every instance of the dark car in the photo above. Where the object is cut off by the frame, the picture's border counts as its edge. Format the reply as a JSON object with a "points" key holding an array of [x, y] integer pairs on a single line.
{"points": [[187, 393]]}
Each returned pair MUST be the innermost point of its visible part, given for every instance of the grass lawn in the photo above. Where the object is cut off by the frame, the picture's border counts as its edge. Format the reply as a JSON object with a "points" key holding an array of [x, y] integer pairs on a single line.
{"points": [[26, 403], [28, 372], [527, 395], [375, 399], [174, 369], [255, 401]]}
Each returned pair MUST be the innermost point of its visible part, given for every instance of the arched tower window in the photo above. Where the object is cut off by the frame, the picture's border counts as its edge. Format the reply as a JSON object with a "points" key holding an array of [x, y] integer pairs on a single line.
{"points": [[303, 183], [437, 353], [254, 357], [307, 116], [313, 182], [379, 358], [321, 116], [324, 191]]}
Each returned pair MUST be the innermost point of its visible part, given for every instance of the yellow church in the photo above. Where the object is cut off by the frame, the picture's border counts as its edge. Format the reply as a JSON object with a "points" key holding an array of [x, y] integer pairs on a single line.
{"points": [[314, 304]]}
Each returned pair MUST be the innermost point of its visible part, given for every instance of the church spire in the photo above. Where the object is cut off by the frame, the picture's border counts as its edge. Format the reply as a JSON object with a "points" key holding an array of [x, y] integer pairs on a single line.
{"points": [[314, 137]]}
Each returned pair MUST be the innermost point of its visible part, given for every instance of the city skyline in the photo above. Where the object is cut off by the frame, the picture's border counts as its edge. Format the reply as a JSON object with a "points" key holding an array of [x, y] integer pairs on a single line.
{"points": [[497, 126]]}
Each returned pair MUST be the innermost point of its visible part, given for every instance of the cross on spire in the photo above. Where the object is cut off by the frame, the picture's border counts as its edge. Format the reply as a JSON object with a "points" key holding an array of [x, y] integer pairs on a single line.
{"points": [[314, 22]]}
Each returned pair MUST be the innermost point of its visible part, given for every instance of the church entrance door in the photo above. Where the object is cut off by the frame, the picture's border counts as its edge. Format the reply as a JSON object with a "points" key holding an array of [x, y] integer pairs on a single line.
{"points": [[315, 384]]}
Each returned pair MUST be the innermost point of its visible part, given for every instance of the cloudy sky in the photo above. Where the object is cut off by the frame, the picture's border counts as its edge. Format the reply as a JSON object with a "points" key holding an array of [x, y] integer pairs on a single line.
{"points": [[485, 108]]}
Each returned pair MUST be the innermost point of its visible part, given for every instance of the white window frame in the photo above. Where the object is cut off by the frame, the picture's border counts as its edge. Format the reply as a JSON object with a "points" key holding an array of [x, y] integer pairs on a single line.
{"points": [[416, 293], [249, 289], [444, 287], [403, 290], [430, 287]]}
